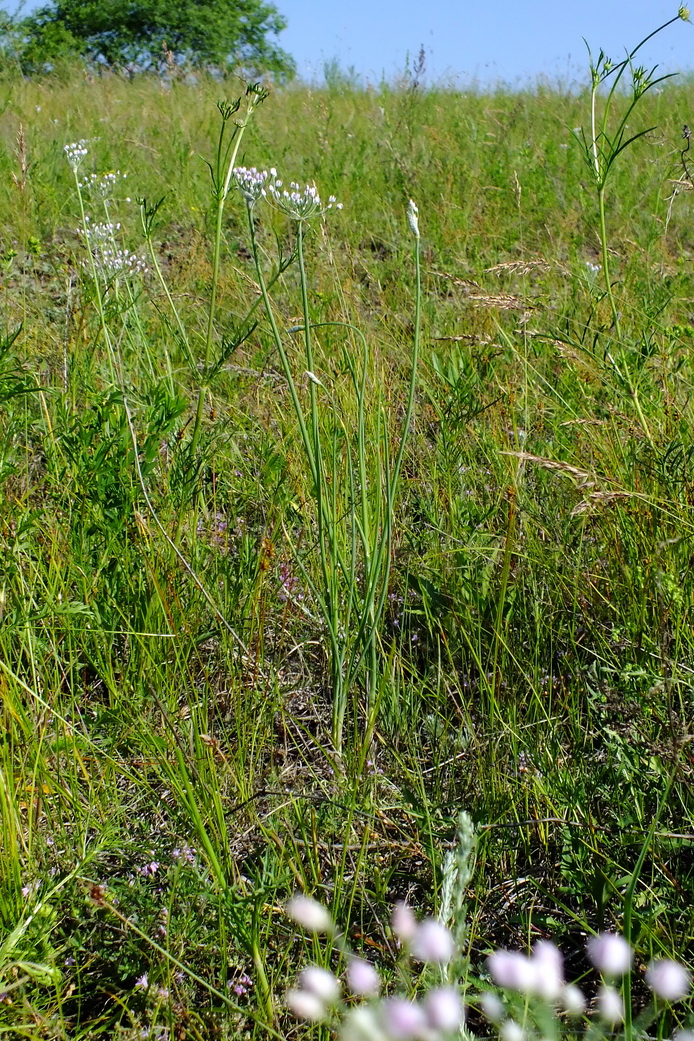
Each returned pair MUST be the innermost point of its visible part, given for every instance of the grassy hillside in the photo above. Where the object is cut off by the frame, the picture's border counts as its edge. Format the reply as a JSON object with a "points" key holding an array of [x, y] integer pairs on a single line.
{"points": [[253, 638]]}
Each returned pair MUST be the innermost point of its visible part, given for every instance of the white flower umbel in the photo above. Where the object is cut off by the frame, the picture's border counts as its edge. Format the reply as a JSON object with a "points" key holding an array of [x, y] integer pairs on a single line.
{"points": [[102, 186], [573, 1000], [668, 979], [511, 1031], [305, 1005], [362, 1024], [444, 1009], [549, 970], [610, 1005], [402, 1019], [299, 203], [513, 971], [75, 153], [403, 922], [320, 982], [610, 954], [432, 942], [363, 979], [309, 914], [492, 1007], [251, 182]]}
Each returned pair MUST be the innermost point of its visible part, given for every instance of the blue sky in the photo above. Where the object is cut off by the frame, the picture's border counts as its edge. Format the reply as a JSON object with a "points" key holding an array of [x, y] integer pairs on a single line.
{"points": [[514, 41], [487, 41]]}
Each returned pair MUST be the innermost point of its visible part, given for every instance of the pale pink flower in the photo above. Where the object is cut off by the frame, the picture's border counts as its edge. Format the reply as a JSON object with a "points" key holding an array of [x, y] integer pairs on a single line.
{"points": [[610, 1005], [444, 1009], [403, 1020], [432, 942], [320, 982], [511, 1031], [304, 1005], [363, 978], [404, 922], [610, 954], [309, 914], [361, 1024], [492, 1007], [668, 979], [549, 970], [513, 970], [573, 1000]]}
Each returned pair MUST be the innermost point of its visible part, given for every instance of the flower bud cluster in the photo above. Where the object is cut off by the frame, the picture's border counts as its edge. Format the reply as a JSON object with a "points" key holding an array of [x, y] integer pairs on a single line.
{"points": [[524, 982], [75, 153]]}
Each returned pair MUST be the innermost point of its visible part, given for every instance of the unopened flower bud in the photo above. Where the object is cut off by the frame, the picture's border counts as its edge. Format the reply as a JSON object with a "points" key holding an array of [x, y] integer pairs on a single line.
{"points": [[413, 218]]}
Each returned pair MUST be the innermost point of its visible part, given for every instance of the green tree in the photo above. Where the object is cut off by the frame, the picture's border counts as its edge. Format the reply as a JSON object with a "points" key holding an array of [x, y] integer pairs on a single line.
{"points": [[148, 34]]}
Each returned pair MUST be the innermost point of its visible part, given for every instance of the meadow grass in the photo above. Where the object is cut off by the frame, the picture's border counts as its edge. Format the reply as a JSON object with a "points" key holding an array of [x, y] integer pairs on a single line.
{"points": [[263, 631]]}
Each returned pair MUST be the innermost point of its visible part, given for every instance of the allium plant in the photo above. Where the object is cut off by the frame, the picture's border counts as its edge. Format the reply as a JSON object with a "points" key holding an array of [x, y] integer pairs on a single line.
{"points": [[521, 996], [354, 475]]}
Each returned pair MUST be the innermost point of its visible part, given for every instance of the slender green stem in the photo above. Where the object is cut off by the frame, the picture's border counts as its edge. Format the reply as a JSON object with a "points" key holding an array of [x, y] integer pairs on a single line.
{"points": [[222, 192]]}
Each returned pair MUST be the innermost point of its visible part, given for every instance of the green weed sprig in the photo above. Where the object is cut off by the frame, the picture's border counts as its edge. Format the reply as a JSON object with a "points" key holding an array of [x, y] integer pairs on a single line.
{"points": [[601, 149]]}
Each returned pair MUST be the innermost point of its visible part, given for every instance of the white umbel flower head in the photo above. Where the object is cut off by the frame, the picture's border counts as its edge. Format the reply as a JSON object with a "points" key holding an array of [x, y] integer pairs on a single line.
{"points": [[610, 954], [573, 1000], [413, 218], [610, 1006], [320, 982], [432, 942], [297, 202], [492, 1007], [403, 1020], [444, 1009], [668, 979], [513, 970], [363, 978], [404, 922], [305, 1005], [75, 153], [309, 914], [549, 970], [361, 1024], [251, 183], [511, 1031]]}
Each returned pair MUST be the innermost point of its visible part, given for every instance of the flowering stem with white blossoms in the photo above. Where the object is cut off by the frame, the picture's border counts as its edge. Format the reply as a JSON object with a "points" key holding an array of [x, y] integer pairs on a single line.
{"points": [[354, 511]]}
